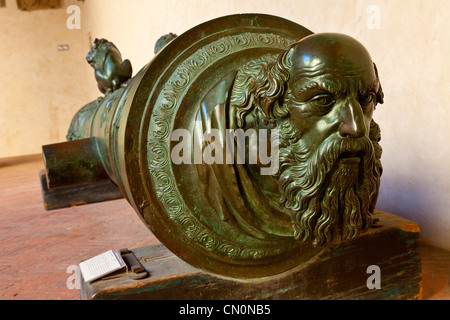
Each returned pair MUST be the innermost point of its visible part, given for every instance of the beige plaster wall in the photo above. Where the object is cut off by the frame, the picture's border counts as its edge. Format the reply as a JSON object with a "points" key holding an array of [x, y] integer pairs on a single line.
{"points": [[41, 87], [409, 40]]}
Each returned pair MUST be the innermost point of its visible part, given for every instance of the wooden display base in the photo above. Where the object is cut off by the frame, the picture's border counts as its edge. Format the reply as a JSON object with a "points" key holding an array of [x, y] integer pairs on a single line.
{"points": [[344, 273], [65, 197]]}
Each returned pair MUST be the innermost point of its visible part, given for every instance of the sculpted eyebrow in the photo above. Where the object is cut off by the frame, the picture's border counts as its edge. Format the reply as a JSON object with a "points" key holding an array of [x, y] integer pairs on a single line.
{"points": [[324, 86], [363, 89]]}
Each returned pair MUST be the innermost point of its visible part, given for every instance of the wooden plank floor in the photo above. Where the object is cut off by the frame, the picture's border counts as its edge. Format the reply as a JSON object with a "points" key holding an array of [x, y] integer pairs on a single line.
{"points": [[38, 247]]}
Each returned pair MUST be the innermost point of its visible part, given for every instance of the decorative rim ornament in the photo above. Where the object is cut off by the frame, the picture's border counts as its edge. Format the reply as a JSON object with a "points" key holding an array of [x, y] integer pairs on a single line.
{"points": [[169, 198]]}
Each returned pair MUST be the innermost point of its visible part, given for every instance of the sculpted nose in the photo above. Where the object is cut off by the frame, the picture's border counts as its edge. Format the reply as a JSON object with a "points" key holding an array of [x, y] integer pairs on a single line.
{"points": [[351, 120]]}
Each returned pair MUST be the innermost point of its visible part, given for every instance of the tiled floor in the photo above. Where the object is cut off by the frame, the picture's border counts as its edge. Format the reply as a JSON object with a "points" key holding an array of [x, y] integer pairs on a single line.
{"points": [[38, 247]]}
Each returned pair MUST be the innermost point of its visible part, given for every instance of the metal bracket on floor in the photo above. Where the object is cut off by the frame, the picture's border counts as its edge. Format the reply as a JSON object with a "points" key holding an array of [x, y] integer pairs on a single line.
{"points": [[135, 269]]}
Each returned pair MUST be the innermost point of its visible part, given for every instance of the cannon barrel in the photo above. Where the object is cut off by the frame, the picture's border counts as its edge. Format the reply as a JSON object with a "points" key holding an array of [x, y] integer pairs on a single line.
{"points": [[97, 151], [111, 131], [223, 218]]}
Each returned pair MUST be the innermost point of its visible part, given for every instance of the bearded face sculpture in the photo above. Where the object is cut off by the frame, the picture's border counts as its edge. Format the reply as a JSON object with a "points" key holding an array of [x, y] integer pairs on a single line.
{"points": [[320, 94]]}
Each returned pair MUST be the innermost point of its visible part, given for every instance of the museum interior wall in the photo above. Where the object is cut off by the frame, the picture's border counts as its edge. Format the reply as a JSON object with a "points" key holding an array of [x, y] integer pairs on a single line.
{"points": [[43, 87], [408, 40]]}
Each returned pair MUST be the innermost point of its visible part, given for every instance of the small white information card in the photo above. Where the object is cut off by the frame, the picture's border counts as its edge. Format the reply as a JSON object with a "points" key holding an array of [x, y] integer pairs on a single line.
{"points": [[101, 265]]}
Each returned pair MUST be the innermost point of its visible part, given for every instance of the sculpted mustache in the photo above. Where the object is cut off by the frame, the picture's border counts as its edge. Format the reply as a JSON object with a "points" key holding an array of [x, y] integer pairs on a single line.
{"points": [[303, 169]]}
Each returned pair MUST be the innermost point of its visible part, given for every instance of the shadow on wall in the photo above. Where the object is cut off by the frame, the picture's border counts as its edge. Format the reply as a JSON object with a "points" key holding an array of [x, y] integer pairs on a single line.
{"points": [[411, 198]]}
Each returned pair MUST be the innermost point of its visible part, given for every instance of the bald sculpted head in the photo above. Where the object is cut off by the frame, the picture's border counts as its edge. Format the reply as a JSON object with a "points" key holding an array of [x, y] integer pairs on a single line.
{"points": [[321, 93]]}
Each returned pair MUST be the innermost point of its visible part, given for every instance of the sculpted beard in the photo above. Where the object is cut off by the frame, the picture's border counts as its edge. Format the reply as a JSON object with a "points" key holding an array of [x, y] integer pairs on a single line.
{"points": [[323, 196]]}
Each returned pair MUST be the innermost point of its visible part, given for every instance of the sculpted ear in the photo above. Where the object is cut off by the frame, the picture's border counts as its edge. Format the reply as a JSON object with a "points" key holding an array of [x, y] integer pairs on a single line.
{"points": [[380, 94]]}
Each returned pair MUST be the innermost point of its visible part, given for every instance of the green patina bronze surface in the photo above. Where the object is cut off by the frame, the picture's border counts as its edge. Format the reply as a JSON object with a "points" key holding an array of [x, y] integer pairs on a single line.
{"points": [[317, 91]]}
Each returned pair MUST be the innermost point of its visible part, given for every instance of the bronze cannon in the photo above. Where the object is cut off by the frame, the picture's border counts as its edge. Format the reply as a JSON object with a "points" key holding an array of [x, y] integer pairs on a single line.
{"points": [[164, 138]]}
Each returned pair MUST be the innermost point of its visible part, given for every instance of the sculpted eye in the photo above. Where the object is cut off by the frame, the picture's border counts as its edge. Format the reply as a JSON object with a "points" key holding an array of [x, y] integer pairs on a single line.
{"points": [[366, 102], [322, 100], [367, 98]]}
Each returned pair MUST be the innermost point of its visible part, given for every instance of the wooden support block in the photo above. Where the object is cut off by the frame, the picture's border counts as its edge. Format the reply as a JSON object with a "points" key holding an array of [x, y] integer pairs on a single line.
{"points": [[77, 195], [73, 163], [393, 247]]}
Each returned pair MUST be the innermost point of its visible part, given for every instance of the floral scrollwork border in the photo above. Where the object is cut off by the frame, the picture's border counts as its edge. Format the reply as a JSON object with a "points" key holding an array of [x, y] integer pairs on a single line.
{"points": [[158, 141]]}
